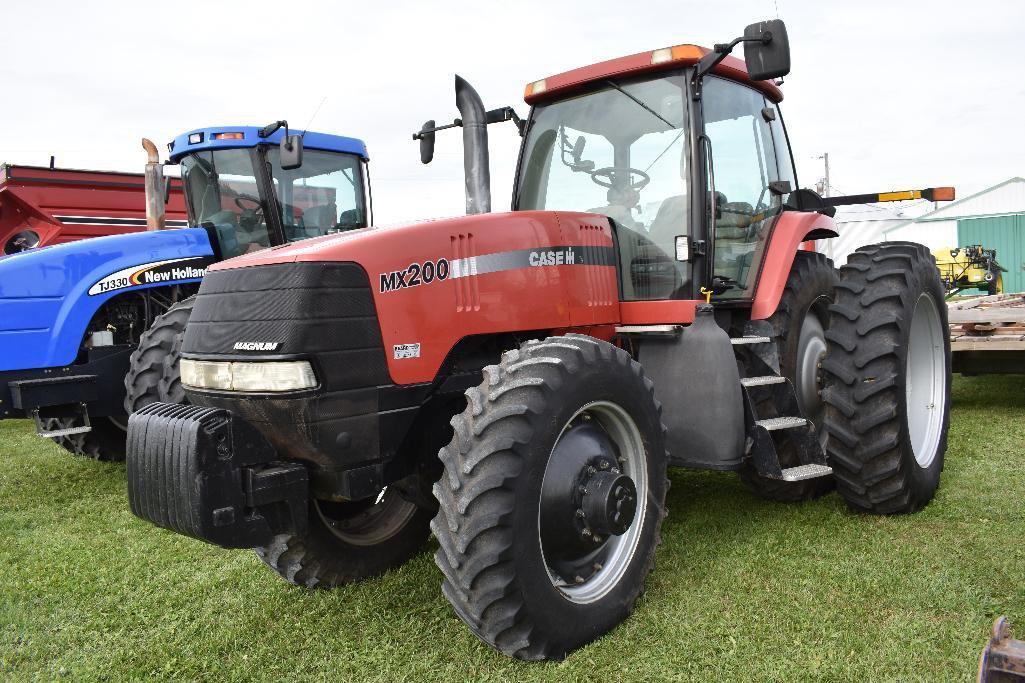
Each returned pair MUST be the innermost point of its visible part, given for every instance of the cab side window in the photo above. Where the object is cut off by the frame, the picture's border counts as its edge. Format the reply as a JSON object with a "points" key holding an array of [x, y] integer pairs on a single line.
{"points": [[744, 163]]}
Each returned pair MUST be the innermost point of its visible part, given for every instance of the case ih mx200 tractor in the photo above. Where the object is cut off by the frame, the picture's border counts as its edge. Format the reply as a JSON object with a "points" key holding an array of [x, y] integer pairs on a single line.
{"points": [[90, 330], [538, 370]]}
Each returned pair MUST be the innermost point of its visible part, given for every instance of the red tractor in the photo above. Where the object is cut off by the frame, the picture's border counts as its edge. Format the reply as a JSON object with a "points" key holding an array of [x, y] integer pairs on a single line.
{"points": [[518, 383]]}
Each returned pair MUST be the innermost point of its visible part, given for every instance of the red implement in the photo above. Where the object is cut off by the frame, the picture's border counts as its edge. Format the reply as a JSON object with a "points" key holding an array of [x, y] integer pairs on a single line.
{"points": [[43, 206]]}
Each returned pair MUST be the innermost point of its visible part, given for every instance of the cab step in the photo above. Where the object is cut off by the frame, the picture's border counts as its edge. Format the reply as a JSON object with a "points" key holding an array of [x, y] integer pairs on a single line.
{"points": [[739, 341], [68, 431], [802, 472], [775, 423], [762, 381], [84, 428]]}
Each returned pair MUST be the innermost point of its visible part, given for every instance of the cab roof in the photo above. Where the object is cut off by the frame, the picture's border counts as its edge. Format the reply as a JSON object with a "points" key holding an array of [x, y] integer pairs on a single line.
{"points": [[249, 136], [653, 61]]}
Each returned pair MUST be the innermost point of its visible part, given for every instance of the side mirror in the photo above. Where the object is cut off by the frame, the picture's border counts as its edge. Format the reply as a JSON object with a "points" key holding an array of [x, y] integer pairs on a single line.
{"points": [[291, 152], [767, 50], [427, 142]]}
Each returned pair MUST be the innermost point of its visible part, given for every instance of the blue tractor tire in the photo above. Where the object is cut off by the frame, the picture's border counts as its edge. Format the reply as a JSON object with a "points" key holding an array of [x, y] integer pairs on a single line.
{"points": [[153, 373]]}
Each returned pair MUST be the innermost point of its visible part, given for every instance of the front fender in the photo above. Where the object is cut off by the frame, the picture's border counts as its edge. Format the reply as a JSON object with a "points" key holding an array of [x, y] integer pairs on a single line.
{"points": [[49, 295], [790, 230]]}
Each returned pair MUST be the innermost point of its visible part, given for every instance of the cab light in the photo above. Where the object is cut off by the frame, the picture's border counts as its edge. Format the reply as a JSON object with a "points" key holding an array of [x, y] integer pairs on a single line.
{"points": [[229, 136], [536, 88], [672, 54], [662, 56], [257, 376], [195, 138]]}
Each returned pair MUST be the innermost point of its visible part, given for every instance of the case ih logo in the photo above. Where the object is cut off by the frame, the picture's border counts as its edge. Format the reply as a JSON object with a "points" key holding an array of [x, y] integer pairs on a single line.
{"points": [[257, 346]]}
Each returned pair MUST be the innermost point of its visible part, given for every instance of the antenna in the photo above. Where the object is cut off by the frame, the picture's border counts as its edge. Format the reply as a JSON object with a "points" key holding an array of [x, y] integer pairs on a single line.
{"points": [[315, 112]]}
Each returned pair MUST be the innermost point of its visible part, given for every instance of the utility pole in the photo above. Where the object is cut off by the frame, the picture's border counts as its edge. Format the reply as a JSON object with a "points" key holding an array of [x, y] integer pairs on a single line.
{"points": [[824, 183]]}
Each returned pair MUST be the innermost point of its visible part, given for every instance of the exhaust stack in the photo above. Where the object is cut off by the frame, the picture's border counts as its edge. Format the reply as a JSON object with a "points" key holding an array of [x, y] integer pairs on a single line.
{"points": [[154, 183], [476, 164]]}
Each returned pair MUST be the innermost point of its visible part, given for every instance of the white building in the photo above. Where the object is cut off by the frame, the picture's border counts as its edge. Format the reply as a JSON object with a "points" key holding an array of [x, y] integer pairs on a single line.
{"points": [[859, 225], [938, 228], [870, 223]]}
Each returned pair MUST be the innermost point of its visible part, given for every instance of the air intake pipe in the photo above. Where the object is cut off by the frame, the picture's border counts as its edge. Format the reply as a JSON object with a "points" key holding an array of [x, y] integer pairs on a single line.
{"points": [[154, 184], [476, 164]]}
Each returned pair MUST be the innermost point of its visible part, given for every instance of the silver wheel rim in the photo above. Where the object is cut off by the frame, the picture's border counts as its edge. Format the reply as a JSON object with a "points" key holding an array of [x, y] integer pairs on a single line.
{"points": [[623, 431], [926, 381], [811, 349]]}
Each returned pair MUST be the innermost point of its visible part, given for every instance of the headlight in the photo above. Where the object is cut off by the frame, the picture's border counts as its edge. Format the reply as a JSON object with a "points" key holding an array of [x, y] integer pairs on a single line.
{"points": [[246, 376]]}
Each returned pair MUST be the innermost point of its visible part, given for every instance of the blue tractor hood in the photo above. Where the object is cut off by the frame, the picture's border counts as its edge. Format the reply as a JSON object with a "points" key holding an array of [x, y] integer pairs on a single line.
{"points": [[48, 296]]}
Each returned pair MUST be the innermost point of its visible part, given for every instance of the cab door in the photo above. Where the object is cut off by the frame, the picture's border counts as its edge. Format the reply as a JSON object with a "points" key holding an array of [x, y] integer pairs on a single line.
{"points": [[749, 158]]}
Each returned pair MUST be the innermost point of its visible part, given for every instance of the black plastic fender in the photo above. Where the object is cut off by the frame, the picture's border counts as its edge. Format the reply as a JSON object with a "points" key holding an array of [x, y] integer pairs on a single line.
{"points": [[698, 383]]}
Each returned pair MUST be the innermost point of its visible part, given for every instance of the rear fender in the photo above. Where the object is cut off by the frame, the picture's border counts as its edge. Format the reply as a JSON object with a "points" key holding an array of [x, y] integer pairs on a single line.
{"points": [[790, 230]]}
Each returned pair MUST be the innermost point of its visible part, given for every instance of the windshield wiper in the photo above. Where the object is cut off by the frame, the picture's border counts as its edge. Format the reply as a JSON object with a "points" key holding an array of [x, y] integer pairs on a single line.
{"points": [[644, 106]]}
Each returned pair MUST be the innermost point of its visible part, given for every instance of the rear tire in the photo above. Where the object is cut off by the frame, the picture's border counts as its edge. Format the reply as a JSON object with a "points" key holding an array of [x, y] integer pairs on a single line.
{"points": [[105, 441], [153, 373], [888, 379], [798, 326], [518, 590], [347, 542]]}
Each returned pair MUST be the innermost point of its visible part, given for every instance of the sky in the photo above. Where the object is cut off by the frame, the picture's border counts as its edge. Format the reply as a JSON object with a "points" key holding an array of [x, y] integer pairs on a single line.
{"points": [[900, 93]]}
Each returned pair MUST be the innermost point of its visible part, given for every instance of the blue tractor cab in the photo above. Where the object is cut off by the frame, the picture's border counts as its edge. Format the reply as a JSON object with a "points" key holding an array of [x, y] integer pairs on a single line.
{"points": [[89, 330]]}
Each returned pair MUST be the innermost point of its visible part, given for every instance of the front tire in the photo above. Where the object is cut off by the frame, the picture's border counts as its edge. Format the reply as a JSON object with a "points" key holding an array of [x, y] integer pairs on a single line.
{"points": [[888, 379], [534, 572], [347, 542]]}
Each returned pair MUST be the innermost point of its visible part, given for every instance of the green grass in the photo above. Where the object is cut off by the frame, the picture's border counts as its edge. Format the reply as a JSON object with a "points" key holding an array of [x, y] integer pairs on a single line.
{"points": [[743, 590]]}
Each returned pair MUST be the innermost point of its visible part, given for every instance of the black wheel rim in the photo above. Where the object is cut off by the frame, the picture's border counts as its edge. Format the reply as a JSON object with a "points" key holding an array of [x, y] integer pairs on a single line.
{"points": [[592, 503]]}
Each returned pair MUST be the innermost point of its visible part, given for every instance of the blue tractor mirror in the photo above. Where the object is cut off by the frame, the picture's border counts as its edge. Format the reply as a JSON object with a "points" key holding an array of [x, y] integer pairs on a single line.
{"points": [[291, 152]]}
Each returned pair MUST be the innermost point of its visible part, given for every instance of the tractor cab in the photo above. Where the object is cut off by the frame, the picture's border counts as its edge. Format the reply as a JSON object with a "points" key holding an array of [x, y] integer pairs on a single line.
{"points": [[254, 188], [683, 148], [626, 149]]}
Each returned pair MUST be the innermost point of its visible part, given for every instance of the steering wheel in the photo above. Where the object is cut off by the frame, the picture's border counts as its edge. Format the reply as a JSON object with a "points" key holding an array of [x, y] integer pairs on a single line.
{"points": [[605, 176], [242, 198]]}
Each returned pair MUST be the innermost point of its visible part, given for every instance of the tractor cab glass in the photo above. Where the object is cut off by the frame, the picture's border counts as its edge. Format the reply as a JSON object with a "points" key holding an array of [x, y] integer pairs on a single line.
{"points": [[325, 194], [749, 154], [222, 191], [251, 211], [621, 151]]}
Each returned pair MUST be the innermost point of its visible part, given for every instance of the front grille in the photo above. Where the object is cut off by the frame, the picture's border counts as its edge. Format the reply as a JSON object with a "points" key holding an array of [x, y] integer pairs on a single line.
{"points": [[320, 311]]}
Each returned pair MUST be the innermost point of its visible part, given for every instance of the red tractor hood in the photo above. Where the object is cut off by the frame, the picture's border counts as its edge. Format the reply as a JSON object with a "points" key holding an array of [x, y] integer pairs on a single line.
{"points": [[436, 282]]}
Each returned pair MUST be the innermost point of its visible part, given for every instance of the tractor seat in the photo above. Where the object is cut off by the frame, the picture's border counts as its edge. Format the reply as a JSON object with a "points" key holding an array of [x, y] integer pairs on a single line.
{"points": [[734, 242], [670, 221], [320, 218], [733, 221]]}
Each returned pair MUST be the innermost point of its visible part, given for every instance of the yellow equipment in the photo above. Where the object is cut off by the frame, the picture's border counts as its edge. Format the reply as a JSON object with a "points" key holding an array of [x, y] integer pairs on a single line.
{"points": [[970, 267]]}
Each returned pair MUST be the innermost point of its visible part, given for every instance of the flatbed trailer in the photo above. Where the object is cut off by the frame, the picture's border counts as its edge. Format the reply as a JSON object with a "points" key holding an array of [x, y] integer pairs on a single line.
{"points": [[41, 206], [987, 334]]}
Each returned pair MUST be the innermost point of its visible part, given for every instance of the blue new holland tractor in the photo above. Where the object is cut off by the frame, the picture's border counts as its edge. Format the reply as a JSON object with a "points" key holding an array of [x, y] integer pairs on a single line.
{"points": [[90, 331]]}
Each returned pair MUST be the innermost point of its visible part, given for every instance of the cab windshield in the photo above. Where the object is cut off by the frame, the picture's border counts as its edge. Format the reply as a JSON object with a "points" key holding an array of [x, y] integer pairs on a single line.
{"points": [[323, 195], [621, 151], [223, 191]]}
